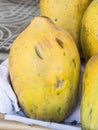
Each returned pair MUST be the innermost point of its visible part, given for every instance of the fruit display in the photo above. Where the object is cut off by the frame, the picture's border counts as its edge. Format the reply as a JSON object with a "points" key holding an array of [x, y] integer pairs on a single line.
{"points": [[89, 105], [44, 66], [89, 31], [45, 62], [67, 14]]}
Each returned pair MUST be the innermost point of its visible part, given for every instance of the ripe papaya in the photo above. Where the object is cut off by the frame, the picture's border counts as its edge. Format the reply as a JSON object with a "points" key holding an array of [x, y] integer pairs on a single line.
{"points": [[66, 14], [44, 68], [89, 104], [89, 31]]}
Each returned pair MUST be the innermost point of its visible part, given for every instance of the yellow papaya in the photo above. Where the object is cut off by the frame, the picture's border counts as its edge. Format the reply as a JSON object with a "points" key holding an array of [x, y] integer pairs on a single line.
{"points": [[89, 104], [66, 14], [89, 31], [44, 68]]}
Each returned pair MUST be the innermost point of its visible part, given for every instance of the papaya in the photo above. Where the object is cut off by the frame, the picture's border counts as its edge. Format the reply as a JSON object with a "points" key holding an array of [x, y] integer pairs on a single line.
{"points": [[89, 103], [89, 31], [67, 14], [44, 67]]}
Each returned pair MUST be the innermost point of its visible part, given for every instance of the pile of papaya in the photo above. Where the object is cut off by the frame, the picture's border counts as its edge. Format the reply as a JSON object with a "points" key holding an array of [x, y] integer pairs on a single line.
{"points": [[45, 62]]}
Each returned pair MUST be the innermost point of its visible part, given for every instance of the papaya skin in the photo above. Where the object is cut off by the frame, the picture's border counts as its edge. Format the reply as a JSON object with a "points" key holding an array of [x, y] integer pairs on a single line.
{"points": [[44, 66], [89, 104], [89, 31], [67, 14]]}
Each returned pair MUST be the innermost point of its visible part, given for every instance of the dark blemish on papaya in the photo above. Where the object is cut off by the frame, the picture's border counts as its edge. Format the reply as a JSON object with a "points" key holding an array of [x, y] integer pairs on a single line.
{"points": [[74, 62], [31, 111], [34, 110], [64, 54], [55, 19], [90, 112], [86, 74], [59, 69], [16, 48], [58, 109], [38, 53], [60, 42], [59, 83], [58, 93], [88, 104], [84, 28], [47, 1], [39, 74], [36, 107]]}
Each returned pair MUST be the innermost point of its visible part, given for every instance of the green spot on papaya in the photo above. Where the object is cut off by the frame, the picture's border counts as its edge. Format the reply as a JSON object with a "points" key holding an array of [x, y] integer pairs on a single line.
{"points": [[86, 74], [58, 110], [74, 62], [90, 111]]}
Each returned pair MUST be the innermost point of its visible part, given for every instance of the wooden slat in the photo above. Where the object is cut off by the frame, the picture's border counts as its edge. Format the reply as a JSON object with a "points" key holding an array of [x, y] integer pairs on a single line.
{"points": [[1, 116], [14, 125]]}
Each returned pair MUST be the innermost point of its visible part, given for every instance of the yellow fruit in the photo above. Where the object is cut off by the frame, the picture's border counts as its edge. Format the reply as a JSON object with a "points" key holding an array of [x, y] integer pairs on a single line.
{"points": [[89, 31], [66, 14], [89, 105], [44, 68]]}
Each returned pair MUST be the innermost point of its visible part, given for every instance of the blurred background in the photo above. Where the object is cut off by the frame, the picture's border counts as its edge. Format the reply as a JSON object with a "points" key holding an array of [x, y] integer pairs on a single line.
{"points": [[15, 15]]}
